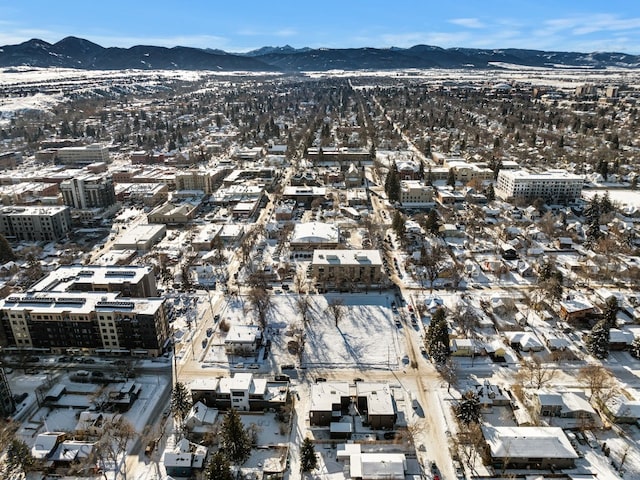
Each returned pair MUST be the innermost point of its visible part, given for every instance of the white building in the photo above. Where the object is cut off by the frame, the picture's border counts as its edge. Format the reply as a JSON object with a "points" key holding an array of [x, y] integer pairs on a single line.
{"points": [[554, 186], [415, 192], [85, 155]]}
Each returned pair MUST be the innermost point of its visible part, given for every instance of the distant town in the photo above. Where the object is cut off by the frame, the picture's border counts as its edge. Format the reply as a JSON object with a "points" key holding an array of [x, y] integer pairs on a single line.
{"points": [[408, 274]]}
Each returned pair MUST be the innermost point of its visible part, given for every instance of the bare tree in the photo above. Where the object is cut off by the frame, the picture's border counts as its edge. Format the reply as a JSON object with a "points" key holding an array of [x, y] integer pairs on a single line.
{"points": [[449, 372], [303, 304], [536, 372], [260, 301], [600, 382], [111, 449], [336, 309], [433, 261]]}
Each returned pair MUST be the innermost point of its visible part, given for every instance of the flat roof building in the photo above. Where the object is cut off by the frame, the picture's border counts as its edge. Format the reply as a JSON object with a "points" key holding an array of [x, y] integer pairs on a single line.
{"points": [[35, 224], [89, 321], [553, 186], [344, 267]]}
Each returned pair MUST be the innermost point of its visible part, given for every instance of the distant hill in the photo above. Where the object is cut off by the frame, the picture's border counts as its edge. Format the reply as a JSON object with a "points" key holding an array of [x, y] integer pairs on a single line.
{"points": [[73, 52]]}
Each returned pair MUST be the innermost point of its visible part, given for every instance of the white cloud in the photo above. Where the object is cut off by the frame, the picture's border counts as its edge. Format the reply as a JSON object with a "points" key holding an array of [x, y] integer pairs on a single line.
{"points": [[468, 22]]}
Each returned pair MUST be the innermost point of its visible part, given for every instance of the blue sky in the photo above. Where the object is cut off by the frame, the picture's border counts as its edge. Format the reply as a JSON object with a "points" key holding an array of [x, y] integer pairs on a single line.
{"points": [[567, 25]]}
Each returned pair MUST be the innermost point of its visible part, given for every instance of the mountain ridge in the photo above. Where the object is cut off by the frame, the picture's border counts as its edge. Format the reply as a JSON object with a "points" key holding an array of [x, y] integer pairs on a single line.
{"points": [[75, 52]]}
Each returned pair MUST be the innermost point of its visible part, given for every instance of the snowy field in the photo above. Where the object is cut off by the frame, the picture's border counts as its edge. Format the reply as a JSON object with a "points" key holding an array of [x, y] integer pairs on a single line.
{"points": [[365, 337]]}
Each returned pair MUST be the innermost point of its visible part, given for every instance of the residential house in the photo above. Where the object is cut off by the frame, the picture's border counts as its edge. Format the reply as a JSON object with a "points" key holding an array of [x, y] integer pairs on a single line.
{"points": [[181, 457], [529, 447], [571, 407], [243, 340]]}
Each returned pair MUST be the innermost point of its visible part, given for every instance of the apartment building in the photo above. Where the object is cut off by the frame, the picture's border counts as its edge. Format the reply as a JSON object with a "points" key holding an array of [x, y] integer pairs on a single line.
{"points": [[553, 186], [35, 224], [89, 191], [129, 280], [347, 266], [91, 322]]}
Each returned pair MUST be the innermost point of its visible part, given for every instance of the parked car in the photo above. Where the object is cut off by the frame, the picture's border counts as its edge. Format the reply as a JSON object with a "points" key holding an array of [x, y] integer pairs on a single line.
{"points": [[287, 366]]}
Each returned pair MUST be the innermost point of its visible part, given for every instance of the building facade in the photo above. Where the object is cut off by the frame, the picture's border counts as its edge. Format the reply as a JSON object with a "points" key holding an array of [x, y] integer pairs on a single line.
{"points": [[89, 191], [35, 224], [347, 266], [553, 186], [84, 155], [94, 323]]}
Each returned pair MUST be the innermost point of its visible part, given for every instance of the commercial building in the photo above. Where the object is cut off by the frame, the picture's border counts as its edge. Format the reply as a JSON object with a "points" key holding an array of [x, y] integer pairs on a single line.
{"points": [[416, 193], [340, 267], [35, 224], [553, 186], [312, 235], [141, 237], [89, 191], [95, 323], [129, 281], [84, 155]]}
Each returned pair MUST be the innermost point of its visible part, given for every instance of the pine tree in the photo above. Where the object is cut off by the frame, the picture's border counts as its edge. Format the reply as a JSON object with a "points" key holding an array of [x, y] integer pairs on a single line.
{"points": [[610, 312], [180, 402], [6, 252], [467, 410], [429, 178], [392, 184], [18, 460], [218, 468], [437, 337], [451, 178], [598, 340], [592, 219], [490, 193], [236, 441], [605, 204], [398, 224], [308, 459], [432, 222]]}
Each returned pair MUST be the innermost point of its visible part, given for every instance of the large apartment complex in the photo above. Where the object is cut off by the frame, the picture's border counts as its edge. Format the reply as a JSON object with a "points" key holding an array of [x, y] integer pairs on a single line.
{"points": [[91, 322], [347, 266], [89, 191], [35, 224], [553, 186]]}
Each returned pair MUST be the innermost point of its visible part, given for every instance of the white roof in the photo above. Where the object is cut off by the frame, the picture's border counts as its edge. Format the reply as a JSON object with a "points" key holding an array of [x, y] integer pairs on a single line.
{"points": [[347, 257], [325, 394], [45, 443], [242, 334], [315, 232], [375, 466], [520, 442]]}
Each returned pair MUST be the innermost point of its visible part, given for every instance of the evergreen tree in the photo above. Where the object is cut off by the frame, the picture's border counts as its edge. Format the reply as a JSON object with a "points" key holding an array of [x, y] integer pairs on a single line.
{"points": [[605, 204], [180, 402], [6, 252], [592, 219], [467, 410], [235, 440], [392, 184], [603, 169], [429, 178], [437, 336], [398, 224], [610, 312], [451, 178], [490, 193], [597, 341], [18, 460], [432, 222], [218, 468], [308, 459]]}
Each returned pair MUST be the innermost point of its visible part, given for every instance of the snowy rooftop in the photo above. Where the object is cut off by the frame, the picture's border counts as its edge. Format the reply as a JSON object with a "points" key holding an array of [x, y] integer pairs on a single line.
{"points": [[519, 442], [66, 277], [347, 257], [315, 232], [325, 394]]}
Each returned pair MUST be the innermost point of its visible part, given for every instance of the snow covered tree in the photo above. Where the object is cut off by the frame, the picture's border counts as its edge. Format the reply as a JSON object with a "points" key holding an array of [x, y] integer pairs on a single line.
{"points": [[308, 459], [467, 410], [18, 460], [598, 340]]}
